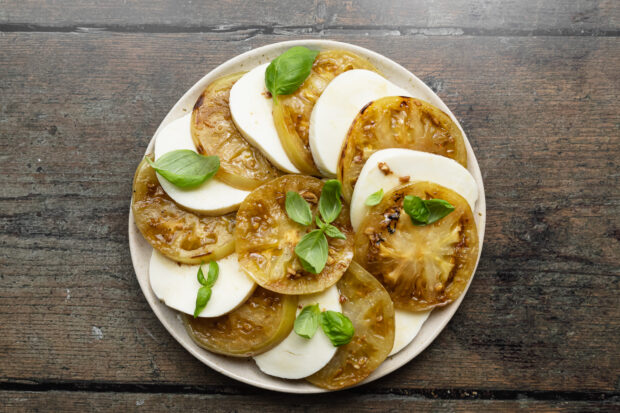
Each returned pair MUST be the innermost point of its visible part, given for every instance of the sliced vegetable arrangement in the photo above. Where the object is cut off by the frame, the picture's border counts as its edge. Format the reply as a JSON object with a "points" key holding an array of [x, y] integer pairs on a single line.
{"points": [[267, 257]]}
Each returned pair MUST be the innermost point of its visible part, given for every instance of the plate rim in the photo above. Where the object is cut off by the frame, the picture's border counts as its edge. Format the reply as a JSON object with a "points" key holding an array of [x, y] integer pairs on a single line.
{"points": [[258, 56]]}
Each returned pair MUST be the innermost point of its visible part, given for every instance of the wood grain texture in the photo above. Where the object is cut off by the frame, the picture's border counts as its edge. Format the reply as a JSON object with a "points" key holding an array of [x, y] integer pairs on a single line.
{"points": [[542, 314], [523, 17], [17, 402]]}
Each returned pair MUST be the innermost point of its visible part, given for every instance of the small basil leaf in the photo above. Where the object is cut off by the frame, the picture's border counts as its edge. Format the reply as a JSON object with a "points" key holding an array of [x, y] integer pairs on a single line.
{"points": [[416, 209], [204, 293], [333, 232], [298, 209], [375, 198], [337, 327], [201, 276], [320, 223], [288, 71], [438, 208], [329, 203], [312, 251], [307, 321], [214, 271], [185, 168]]}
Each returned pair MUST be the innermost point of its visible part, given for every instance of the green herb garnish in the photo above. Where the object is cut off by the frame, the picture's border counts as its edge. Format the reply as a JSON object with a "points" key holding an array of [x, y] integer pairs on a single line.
{"points": [[204, 293], [312, 249], [424, 212], [329, 203], [330, 230], [336, 326], [288, 71], [298, 209], [307, 321], [375, 198], [185, 168]]}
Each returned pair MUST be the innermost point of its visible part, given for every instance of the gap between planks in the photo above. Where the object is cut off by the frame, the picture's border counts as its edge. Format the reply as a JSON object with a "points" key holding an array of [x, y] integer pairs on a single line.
{"points": [[320, 30], [431, 394]]}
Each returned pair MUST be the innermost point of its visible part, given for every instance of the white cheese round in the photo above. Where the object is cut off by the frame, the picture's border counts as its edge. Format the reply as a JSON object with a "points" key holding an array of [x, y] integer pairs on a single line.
{"points": [[407, 325], [297, 357], [177, 285], [212, 197], [251, 109]]}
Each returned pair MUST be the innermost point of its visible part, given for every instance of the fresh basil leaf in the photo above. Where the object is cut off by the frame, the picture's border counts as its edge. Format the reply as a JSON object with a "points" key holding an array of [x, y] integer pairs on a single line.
{"points": [[330, 204], [438, 208], [201, 276], [298, 209], [185, 168], [312, 251], [424, 212], [320, 223], [307, 321], [416, 209], [288, 71], [204, 294], [337, 327], [214, 272], [333, 232], [375, 198]]}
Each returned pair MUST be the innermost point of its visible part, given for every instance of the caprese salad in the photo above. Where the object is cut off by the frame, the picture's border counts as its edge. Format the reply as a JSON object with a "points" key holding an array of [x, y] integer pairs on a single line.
{"points": [[309, 214]]}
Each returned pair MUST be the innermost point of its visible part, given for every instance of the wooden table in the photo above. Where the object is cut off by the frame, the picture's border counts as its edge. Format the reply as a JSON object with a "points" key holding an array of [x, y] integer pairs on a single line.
{"points": [[535, 84]]}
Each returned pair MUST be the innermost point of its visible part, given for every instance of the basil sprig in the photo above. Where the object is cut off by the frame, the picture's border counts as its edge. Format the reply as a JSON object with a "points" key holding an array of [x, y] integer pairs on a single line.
{"points": [[336, 326], [330, 230], [185, 168], [374, 198], [204, 293], [424, 212], [288, 71], [312, 249]]}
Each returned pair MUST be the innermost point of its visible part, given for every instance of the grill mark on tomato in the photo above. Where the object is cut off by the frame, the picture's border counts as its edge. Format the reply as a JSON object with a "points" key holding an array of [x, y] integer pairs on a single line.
{"points": [[458, 248], [365, 107], [391, 219], [199, 102], [202, 255]]}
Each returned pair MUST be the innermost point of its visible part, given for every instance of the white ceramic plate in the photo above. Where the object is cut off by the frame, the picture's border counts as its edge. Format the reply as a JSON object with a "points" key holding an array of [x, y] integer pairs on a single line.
{"points": [[245, 370]]}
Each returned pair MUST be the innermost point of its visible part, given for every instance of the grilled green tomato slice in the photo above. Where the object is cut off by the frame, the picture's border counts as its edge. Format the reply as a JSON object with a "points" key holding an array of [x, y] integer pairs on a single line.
{"points": [[266, 237], [180, 235], [420, 266], [214, 133], [371, 311], [397, 122], [291, 113], [259, 324]]}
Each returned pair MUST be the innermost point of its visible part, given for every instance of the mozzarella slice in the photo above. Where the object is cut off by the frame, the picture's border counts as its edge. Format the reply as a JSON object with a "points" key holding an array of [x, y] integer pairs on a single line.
{"points": [[297, 357], [212, 197], [251, 110], [407, 325], [418, 166], [336, 109], [177, 285]]}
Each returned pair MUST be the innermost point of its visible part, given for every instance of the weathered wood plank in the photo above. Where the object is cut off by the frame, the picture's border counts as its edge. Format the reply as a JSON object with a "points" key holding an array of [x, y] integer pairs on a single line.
{"points": [[56, 401], [418, 16], [76, 112]]}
